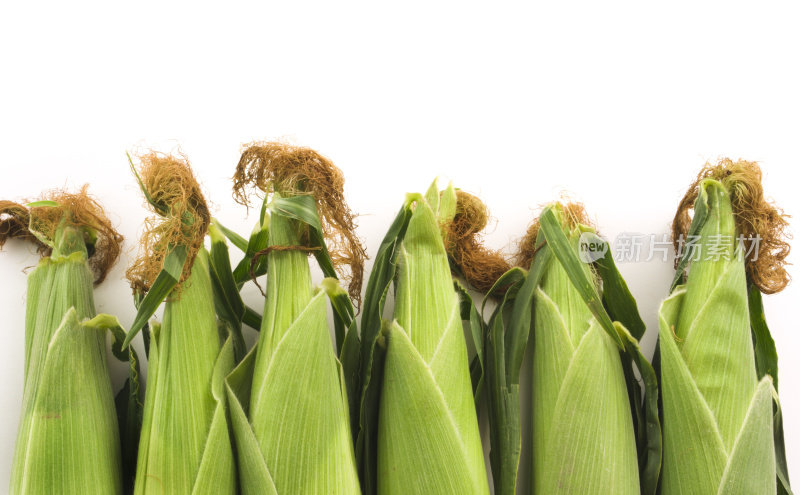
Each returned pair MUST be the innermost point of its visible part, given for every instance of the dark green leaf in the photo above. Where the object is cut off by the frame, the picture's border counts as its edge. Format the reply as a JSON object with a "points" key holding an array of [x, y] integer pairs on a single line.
{"points": [[350, 357], [766, 357], [469, 313], [782, 471], [763, 345], [227, 300], [617, 298], [505, 425], [251, 318], [651, 455], [373, 354]]}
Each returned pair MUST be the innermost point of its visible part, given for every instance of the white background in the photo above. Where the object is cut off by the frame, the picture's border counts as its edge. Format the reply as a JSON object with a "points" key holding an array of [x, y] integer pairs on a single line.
{"points": [[617, 103]]}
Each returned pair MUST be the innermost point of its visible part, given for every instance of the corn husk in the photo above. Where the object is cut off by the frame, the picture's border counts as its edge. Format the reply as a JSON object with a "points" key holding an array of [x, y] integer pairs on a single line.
{"points": [[427, 437], [289, 395], [185, 445], [718, 415], [68, 440], [583, 431]]}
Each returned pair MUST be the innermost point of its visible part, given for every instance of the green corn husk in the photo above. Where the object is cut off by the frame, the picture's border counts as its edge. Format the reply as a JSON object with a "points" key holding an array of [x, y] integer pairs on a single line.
{"points": [[428, 438], [68, 440], [185, 445], [717, 403], [289, 397], [583, 432]]}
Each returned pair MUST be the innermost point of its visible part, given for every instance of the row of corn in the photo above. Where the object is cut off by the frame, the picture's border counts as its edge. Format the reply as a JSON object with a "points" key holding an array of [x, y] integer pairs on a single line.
{"points": [[392, 407]]}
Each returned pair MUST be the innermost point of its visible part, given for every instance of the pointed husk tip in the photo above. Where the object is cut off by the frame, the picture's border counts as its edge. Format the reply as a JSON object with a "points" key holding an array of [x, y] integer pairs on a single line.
{"points": [[757, 219]]}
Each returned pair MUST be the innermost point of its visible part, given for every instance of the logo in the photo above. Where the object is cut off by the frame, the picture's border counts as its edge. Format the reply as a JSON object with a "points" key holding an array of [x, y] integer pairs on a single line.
{"points": [[591, 248]]}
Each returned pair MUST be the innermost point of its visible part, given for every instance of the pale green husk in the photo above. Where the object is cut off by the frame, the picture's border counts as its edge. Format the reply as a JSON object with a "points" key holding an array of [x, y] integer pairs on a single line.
{"points": [[428, 438], [185, 445], [68, 441], [583, 438], [717, 414], [288, 398]]}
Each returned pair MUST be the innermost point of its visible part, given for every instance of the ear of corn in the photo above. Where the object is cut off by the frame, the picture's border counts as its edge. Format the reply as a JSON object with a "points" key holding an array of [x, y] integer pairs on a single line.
{"points": [[583, 436], [428, 439], [289, 397], [68, 440], [718, 426], [184, 447]]}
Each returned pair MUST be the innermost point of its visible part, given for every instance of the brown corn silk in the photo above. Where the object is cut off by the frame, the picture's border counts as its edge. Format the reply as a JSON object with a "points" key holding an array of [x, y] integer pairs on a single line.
{"points": [[183, 216], [755, 217], [41, 225], [480, 266], [273, 167]]}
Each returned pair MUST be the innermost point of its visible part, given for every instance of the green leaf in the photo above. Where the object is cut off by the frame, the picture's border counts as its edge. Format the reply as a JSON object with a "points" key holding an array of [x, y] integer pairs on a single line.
{"points": [[304, 209], [566, 255], [251, 318], [343, 312], [780, 448], [227, 300], [235, 238], [469, 313], [166, 280], [372, 354], [301, 207], [128, 401], [617, 298], [350, 348], [767, 364], [350, 357], [258, 241], [505, 431], [763, 344]]}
